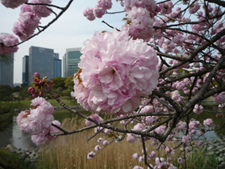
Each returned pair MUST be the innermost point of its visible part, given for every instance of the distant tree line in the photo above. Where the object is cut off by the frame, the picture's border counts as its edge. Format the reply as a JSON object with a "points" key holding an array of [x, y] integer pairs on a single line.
{"points": [[61, 86]]}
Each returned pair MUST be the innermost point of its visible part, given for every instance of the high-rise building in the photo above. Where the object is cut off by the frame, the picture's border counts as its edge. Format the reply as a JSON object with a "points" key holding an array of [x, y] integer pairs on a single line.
{"points": [[56, 56], [70, 61], [25, 70], [6, 70], [57, 68], [41, 60]]}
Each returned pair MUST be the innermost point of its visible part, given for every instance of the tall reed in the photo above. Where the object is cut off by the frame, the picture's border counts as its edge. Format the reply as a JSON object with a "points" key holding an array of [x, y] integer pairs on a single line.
{"points": [[68, 152], [71, 151]]}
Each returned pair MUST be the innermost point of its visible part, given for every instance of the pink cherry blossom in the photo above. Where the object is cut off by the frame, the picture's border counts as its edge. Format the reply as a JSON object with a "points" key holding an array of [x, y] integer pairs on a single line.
{"points": [[150, 5], [26, 25], [45, 138], [169, 150], [91, 155], [139, 24], [194, 8], [141, 158], [153, 154], [38, 120], [135, 156], [105, 143], [160, 129], [99, 11], [26, 8], [150, 119], [107, 131], [106, 4], [7, 42], [40, 139], [89, 14], [100, 140], [97, 148], [182, 125], [137, 167], [131, 138], [186, 139], [41, 10], [95, 117], [147, 109], [208, 122], [12, 3], [219, 98], [138, 126], [198, 109], [194, 124], [175, 95], [112, 78], [180, 160], [166, 7]]}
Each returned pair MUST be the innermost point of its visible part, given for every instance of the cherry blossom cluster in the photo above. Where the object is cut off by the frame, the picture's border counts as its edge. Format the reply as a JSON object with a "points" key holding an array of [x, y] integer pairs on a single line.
{"points": [[188, 141], [7, 44], [101, 145], [188, 133], [114, 72], [219, 98], [139, 16], [38, 121], [98, 11], [38, 85], [139, 23], [29, 18], [95, 117], [12, 3]]}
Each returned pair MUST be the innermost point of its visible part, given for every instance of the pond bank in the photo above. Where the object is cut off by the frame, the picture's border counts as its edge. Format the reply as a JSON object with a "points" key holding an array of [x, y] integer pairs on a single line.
{"points": [[28, 155], [216, 147]]}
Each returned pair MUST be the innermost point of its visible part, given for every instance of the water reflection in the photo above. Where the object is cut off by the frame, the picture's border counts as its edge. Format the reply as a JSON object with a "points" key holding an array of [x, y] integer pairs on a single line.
{"points": [[210, 112], [13, 135]]}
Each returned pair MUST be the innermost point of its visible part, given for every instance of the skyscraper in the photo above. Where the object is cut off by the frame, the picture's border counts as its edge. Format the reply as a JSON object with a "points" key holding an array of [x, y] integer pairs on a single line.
{"points": [[70, 61], [41, 60], [6, 70], [25, 71], [57, 68]]}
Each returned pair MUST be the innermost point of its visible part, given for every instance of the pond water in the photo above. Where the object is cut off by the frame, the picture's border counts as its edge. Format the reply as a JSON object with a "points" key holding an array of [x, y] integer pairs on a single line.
{"points": [[13, 135]]}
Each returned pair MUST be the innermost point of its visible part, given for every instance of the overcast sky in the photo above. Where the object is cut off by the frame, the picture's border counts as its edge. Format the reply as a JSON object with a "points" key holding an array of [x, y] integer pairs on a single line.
{"points": [[69, 31]]}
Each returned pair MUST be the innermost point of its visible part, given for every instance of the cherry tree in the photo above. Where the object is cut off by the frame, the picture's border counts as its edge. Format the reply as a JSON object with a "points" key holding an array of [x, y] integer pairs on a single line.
{"points": [[150, 75]]}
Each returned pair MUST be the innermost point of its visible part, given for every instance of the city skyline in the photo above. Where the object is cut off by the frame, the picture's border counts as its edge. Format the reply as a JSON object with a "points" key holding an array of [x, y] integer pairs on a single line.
{"points": [[42, 60], [46, 61]]}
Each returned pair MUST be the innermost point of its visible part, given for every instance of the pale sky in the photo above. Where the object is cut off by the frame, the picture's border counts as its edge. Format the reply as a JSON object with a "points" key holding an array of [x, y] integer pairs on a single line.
{"points": [[69, 31]]}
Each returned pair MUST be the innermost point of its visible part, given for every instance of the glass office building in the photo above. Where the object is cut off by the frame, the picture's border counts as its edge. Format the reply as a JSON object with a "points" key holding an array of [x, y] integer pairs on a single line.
{"points": [[70, 61], [57, 68], [25, 71], [6, 70], [41, 60]]}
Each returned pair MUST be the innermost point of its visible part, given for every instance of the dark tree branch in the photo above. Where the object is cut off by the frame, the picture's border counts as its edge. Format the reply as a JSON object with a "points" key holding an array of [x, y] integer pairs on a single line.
{"points": [[145, 152], [218, 2]]}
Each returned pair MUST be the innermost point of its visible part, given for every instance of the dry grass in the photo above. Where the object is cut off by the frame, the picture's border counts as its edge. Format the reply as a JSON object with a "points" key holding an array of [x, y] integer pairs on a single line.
{"points": [[71, 151]]}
